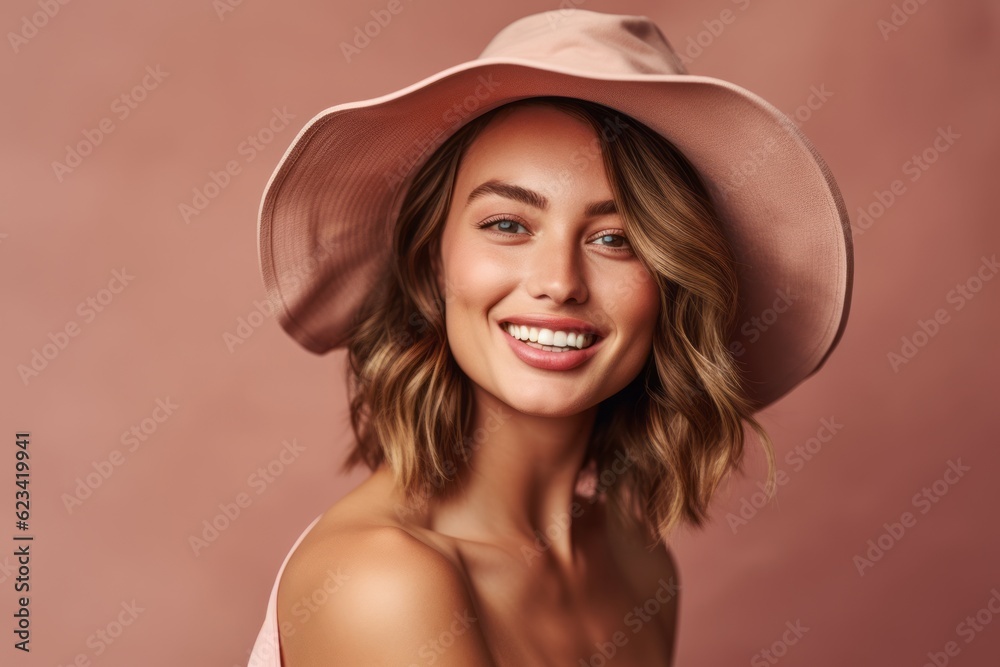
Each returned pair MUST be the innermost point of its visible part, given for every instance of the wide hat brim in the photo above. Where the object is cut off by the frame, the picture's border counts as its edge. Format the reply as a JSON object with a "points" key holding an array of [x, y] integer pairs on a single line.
{"points": [[327, 212]]}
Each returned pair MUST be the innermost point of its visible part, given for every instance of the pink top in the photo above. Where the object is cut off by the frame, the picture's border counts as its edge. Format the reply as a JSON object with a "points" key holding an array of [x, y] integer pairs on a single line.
{"points": [[267, 649]]}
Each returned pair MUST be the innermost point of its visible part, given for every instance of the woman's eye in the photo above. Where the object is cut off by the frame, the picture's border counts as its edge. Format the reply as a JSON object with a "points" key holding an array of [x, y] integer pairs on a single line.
{"points": [[505, 225], [509, 226], [609, 240]]}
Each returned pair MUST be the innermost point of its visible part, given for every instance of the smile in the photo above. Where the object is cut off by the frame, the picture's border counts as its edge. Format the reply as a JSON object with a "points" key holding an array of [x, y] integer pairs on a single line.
{"points": [[549, 340]]}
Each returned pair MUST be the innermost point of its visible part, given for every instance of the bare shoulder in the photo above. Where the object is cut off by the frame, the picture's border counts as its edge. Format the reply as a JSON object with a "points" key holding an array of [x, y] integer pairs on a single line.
{"points": [[375, 594]]}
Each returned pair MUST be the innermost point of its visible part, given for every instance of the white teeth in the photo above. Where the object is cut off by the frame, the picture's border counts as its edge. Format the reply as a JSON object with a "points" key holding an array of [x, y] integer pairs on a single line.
{"points": [[549, 338]]}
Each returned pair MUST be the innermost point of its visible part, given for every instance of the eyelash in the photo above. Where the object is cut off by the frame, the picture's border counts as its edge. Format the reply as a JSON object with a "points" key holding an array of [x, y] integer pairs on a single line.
{"points": [[489, 222]]}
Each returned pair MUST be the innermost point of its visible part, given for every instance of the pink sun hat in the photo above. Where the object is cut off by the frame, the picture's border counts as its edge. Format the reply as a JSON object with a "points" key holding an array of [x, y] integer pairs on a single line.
{"points": [[328, 210]]}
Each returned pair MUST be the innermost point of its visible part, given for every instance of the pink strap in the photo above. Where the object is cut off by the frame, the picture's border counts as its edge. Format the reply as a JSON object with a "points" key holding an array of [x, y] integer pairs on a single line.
{"points": [[267, 649]]}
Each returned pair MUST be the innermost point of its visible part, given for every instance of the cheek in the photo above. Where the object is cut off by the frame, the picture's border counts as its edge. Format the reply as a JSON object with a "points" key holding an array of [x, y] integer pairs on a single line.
{"points": [[635, 302], [475, 282], [639, 311]]}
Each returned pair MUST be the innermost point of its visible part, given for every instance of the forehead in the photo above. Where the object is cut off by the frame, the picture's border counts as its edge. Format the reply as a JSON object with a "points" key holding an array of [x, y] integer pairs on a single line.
{"points": [[536, 145], [534, 125]]}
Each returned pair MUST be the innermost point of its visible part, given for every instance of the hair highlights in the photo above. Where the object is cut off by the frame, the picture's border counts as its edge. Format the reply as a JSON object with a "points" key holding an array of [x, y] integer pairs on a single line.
{"points": [[679, 423]]}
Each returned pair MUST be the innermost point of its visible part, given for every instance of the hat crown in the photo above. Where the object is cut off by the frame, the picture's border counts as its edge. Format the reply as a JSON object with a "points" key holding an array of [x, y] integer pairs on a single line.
{"points": [[588, 41]]}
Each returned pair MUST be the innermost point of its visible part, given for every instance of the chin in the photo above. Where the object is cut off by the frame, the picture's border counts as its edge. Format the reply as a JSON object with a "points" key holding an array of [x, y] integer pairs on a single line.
{"points": [[544, 404]]}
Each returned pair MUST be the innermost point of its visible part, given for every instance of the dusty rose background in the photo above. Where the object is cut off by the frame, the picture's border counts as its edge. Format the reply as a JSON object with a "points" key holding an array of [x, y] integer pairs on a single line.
{"points": [[223, 69]]}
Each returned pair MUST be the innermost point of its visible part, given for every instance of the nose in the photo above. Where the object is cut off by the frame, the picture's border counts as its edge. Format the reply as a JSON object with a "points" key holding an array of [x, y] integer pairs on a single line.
{"points": [[556, 270]]}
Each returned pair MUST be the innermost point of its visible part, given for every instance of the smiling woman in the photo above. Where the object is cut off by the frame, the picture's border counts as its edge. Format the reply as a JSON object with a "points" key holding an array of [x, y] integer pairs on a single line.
{"points": [[558, 276], [540, 359]]}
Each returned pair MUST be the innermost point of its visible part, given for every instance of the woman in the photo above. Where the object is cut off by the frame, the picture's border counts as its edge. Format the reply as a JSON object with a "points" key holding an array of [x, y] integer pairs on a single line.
{"points": [[547, 366]]}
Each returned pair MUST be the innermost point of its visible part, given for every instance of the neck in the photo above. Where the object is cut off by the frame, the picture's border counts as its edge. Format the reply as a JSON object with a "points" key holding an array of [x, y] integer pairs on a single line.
{"points": [[521, 479]]}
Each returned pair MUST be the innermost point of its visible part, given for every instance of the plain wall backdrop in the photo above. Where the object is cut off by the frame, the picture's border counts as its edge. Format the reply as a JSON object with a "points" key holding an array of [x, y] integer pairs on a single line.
{"points": [[153, 98]]}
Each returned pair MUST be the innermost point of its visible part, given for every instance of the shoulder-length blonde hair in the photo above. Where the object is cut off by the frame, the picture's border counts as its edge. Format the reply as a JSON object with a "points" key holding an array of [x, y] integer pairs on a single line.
{"points": [[678, 426]]}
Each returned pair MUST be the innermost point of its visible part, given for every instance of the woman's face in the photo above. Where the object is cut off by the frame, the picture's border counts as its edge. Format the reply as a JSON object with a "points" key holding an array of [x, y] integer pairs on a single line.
{"points": [[553, 257]]}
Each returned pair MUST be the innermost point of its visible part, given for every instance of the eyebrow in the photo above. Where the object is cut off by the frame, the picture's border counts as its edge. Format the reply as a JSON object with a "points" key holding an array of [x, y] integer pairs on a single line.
{"points": [[534, 199]]}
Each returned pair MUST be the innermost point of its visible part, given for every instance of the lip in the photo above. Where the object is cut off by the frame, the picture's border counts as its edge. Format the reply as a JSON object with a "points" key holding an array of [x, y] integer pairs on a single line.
{"points": [[550, 361]]}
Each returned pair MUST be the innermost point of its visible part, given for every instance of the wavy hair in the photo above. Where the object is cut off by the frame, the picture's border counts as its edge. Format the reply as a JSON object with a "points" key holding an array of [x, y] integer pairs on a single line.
{"points": [[678, 424]]}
